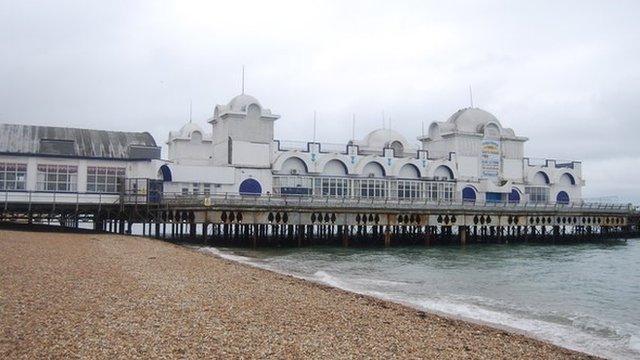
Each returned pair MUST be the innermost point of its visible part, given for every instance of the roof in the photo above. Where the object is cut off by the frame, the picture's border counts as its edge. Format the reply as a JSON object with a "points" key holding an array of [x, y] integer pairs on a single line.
{"points": [[382, 138], [73, 142], [471, 119], [240, 102]]}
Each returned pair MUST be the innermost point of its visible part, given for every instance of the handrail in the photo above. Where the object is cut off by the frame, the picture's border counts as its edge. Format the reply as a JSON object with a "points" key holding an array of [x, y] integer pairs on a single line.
{"points": [[197, 199]]}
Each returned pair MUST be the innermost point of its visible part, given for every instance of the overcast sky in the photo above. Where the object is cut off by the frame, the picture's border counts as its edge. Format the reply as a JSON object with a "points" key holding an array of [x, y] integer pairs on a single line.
{"points": [[565, 74]]}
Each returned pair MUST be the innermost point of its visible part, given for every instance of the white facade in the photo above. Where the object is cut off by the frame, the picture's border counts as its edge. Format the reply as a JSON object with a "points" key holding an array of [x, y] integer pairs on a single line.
{"points": [[469, 157]]}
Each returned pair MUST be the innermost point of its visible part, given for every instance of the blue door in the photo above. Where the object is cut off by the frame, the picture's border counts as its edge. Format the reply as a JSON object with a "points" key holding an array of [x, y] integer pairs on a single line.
{"points": [[562, 198], [250, 187], [514, 197], [468, 194]]}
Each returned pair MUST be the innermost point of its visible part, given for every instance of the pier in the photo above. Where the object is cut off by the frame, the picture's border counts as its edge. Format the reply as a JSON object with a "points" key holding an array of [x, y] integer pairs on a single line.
{"points": [[270, 220]]}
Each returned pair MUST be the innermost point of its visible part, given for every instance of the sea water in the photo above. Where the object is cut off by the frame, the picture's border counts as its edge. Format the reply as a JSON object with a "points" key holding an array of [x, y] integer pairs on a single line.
{"points": [[584, 297]]}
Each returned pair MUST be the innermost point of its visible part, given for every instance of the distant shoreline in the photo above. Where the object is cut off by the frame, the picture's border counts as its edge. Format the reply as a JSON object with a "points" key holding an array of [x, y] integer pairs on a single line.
{"points": [[106, 295]]}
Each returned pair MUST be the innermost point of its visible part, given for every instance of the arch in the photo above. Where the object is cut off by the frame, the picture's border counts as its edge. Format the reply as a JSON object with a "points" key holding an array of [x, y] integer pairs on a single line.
{"points": [[469, 194], [253, 111], [409, 171], [541, 178], [567, 179], [443, 172], [491, 131], [373, 169], [294, 166], [398, 148], [434, 131], [335, 167], [196, 136], [562, 198], [514, 196], [250, 187], [165, 173]]}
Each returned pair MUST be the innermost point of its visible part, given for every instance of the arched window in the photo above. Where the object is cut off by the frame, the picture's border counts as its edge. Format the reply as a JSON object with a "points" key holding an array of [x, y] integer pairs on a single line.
{"points": [[398, 148], [253, 112], [250, 187], [443, 172], [514, 196], [468, 194], [196, 136], [373, 169], [294, 166], [562, 198], [541, 178], [409, 171], [334, 168], [164, 173], [567, 179]]}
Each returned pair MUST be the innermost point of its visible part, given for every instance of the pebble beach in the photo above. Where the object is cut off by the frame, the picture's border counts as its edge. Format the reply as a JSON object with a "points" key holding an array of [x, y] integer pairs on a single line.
{"points": [[109, 296]]}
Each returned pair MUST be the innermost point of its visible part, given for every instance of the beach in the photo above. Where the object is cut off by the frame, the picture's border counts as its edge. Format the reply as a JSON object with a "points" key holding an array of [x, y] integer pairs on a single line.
{"points": [[111, 296]]}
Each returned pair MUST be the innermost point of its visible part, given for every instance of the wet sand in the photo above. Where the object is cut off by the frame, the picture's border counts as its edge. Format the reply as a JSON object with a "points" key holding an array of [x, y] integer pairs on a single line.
{"points": [[111, 296]]}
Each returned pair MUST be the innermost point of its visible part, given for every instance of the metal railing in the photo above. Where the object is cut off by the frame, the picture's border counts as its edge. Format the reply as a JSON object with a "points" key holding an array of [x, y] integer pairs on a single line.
{"points": [[272, 200], [308, 201], [57, 198]]}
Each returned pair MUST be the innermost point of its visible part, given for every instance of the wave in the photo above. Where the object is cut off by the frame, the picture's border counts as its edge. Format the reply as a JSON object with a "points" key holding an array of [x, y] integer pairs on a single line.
{"points": [[573, 331]]}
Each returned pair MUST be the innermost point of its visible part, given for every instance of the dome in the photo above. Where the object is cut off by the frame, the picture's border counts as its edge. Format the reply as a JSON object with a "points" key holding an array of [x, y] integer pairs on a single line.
{"points": [[189, 128], [472, 120], [240, 103], [381, 138]]}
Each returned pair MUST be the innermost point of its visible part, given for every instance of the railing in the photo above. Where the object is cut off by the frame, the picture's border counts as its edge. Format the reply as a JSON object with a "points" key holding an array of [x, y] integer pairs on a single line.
{"points": [[271, 200], [303, 145], [559, 164], [42, 197], [226, 199]]}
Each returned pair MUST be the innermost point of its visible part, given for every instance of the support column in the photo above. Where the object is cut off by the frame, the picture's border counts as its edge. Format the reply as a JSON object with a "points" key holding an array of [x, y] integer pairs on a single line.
{"points": [[462, 232], [387, 237]]}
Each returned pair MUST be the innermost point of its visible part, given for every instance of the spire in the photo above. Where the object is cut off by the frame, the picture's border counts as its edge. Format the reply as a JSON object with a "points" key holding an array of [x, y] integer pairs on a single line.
{"points": [[243, 79], [314, 126], [470, 96], [353, 127]]}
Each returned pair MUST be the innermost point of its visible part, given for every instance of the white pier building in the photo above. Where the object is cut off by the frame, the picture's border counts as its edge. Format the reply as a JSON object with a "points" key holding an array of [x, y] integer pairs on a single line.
{"points": [[469, 157]]}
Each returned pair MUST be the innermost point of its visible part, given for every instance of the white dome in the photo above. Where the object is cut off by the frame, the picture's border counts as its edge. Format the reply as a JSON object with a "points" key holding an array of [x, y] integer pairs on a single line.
{"points": [[240, 103], [381, 138], [472, 120], [189, 128]]}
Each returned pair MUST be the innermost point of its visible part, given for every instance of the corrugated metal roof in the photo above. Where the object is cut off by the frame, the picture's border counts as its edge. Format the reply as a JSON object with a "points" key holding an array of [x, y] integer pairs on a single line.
{"points": [[25, 139]]}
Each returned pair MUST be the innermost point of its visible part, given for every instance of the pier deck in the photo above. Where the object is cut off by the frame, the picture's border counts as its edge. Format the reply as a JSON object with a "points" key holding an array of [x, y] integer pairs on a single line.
{"points": [[237, 220]]}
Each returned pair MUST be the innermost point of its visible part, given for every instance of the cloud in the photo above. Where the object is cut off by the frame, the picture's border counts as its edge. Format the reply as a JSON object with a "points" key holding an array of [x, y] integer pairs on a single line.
{"points": [[563, 74]]}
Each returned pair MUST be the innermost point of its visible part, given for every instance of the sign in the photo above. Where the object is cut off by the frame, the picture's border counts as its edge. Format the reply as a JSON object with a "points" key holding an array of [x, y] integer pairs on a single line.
{"points": [[490, 159]]}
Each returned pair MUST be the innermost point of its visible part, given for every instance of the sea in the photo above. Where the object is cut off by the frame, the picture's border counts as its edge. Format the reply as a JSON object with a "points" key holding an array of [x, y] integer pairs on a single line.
{"points": [[584, 297]]}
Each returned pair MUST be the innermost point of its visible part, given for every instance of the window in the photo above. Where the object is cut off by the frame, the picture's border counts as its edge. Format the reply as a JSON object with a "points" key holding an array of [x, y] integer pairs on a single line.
{"points": [[13, 176], [537, 194], [408, 189], [57, 178], [372, 188], [332, 186], [207, 189], [185, 191], [196, 188], [105, 179]]}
